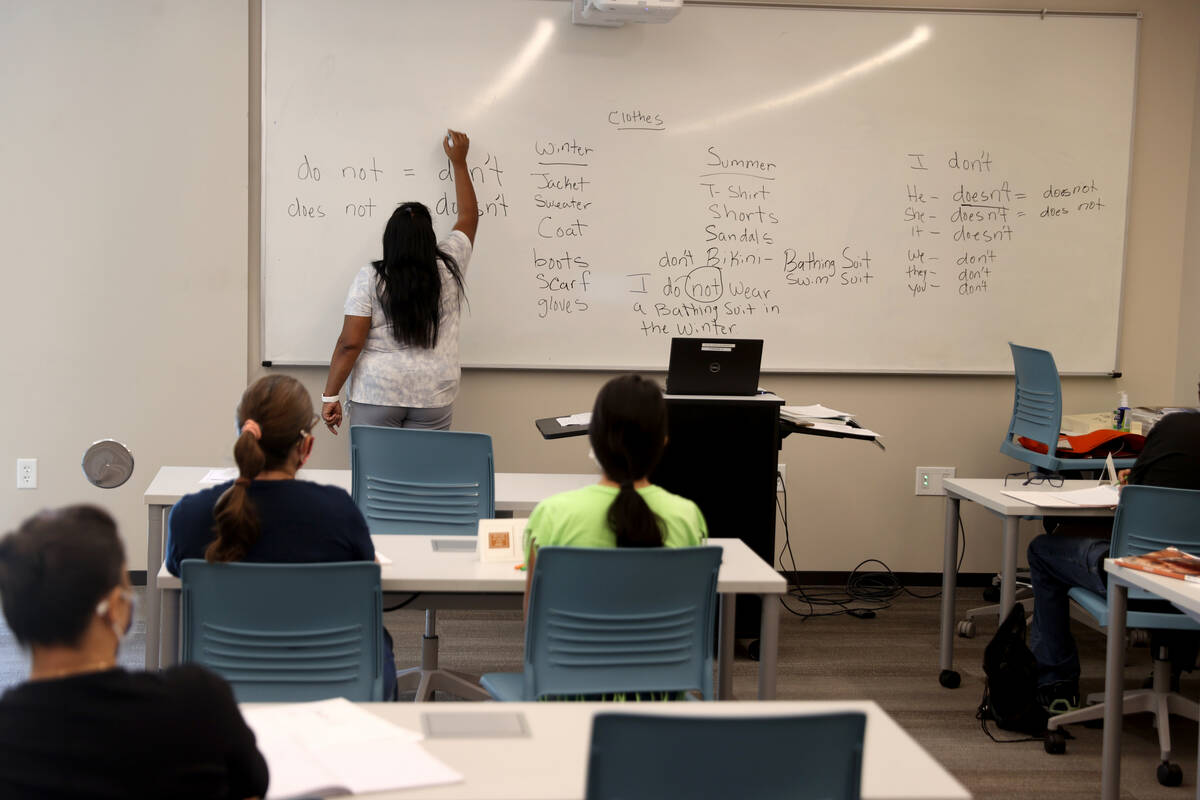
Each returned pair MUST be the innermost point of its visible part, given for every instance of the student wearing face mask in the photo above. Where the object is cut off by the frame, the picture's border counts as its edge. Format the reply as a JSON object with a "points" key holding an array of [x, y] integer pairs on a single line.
{"points": [[82, 727], [266, 515]]}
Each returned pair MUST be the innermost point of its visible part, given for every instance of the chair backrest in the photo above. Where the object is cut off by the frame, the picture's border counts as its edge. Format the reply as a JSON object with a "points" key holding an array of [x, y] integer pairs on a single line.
{"points": [[286, 632], [418, 481], [622, 620], [634, 756], [1151, 518], [1037, 403]]}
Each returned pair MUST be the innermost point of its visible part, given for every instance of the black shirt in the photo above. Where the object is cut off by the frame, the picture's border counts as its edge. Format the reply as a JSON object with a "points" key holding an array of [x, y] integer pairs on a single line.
{"points": [[1171, 455], [301, 523], [117, 734]]}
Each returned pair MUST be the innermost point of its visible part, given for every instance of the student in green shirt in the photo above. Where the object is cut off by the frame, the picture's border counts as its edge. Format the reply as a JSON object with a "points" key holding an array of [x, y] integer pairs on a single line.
{"points": [[628, 433]]}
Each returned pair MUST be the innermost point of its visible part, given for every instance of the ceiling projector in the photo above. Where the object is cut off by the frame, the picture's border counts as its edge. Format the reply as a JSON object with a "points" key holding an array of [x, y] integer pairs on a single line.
{"points": [[617, 12]]}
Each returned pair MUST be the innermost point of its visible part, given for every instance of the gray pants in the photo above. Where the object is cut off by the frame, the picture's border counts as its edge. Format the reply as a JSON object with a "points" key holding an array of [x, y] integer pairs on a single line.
{"points": [[435, 419]]}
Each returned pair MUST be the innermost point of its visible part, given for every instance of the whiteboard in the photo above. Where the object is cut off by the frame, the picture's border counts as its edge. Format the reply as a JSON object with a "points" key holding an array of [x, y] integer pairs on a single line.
{"points": [[878, 191]]}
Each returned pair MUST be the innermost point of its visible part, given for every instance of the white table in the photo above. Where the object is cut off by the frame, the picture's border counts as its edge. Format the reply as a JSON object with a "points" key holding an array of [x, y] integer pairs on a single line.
{"points": [[516, 492], [1183, 595], [989, 493], [460, 580], [552, 761]]}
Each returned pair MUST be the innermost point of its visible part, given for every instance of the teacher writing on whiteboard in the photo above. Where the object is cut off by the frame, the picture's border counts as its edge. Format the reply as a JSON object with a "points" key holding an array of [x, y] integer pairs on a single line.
{"points": [[399, 340]]}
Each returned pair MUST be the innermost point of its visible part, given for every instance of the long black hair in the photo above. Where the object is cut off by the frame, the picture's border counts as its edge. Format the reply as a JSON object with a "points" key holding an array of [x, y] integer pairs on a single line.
{"points": [[628, 433], [412, 286]]}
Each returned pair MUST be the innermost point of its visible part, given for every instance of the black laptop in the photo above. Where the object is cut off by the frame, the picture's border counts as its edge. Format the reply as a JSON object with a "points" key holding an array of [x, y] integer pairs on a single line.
{"points": [[714, 366]]}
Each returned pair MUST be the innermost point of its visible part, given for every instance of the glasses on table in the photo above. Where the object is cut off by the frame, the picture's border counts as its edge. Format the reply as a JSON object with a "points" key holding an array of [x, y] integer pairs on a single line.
{"points": [[1036, 479]]}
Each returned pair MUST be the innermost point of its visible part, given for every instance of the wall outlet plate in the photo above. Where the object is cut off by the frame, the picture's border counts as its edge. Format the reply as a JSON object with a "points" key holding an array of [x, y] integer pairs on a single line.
{"points": [[26, 473], [929, 479], [781, 478]]}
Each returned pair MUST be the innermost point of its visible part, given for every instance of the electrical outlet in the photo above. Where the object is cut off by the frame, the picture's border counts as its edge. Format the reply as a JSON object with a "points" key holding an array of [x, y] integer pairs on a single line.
{"points": [[781, 478], [929, 479], [26, 473]]}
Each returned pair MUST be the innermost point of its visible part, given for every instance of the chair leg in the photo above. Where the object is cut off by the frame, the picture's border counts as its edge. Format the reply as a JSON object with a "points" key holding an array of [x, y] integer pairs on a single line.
{"points": [[429, 678], [1133, 702], [1158, 700]]}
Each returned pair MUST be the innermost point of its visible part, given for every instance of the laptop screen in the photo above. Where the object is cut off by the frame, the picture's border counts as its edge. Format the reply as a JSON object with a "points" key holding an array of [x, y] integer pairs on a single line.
{"points": [[714, 366]]}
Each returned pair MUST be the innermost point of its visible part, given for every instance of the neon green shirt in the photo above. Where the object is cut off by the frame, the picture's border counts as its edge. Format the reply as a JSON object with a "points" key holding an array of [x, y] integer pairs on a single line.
{"points": [[579, 519]]}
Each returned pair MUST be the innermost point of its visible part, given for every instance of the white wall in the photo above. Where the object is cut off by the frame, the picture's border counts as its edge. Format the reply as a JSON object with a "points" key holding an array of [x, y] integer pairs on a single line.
{"points": [[124, 155], [127, 213]]}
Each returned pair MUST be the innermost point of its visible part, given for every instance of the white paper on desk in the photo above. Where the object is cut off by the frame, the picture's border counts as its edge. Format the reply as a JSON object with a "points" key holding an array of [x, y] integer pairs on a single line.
{"points": [[582, 418], [816, 411], [844, 430], [215, 476], [382, 559], [1105, 496], [334, 747]]}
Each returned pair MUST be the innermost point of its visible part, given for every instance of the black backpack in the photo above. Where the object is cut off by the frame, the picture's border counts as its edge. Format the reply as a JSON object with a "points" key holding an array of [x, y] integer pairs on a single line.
{"points": [[1010, 688]]}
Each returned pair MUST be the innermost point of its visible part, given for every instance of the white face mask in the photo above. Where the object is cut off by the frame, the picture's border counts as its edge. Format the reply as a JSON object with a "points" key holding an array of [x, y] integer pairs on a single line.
{"points": [[102, 609]]}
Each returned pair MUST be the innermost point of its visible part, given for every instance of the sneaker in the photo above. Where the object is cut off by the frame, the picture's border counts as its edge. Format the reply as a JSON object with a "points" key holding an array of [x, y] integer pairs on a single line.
{"points": [[1059, 697]]}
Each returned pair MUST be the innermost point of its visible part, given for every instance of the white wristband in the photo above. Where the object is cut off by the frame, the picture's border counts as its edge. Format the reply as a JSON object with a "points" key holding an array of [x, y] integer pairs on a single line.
{"points": [[333, 399]]}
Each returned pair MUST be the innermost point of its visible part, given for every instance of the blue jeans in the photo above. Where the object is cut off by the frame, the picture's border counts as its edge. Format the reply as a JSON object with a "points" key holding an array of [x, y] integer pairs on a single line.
{"points": [[1056, 564]]}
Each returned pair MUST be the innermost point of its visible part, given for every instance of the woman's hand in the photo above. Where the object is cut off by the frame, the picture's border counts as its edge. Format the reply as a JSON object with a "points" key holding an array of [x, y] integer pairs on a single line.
{"points": [[332, 414], [456, 145]]}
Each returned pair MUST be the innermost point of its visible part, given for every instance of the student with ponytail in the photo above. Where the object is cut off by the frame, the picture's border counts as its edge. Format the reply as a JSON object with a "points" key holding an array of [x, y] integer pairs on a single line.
{"points": [[82, 726], [628, 433], [266, 515]]}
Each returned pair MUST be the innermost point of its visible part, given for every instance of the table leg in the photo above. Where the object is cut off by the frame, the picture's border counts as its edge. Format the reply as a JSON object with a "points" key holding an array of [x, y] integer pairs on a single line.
{"points": [[768, 647], [154, 559], [948, 677], [1008, 576], [725, 637], [1114, 686], [170, 628]]}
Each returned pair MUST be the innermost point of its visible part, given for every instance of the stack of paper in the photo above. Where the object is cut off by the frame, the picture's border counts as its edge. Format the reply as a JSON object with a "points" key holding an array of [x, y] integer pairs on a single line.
{"points": [[1103, 496], [333, 747], [582, 418], [807, 415]]}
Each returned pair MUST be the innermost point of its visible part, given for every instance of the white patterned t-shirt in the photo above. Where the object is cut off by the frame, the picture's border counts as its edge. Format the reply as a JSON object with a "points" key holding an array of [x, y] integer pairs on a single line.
{"points": [[388, 373]]}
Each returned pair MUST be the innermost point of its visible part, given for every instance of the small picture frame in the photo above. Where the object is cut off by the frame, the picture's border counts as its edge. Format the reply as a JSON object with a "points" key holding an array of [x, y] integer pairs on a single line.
{"points": [[501, 540]]}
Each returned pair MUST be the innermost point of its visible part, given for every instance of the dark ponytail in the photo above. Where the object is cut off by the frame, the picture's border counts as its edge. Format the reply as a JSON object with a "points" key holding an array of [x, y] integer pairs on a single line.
{"points": [[628, 432], [274, 415], [411, 294]]}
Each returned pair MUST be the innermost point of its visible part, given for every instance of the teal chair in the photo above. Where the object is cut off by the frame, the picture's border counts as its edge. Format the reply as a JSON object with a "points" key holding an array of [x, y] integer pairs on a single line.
{"points": [[286, 632], [425, 482], [1037, 415], [795, 757], [1148, 518], [605, 622], [408, 481]]}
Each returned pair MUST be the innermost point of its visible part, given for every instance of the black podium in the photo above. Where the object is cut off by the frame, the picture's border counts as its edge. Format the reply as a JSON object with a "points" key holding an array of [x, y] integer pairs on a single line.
{"points": [[723, 454]]}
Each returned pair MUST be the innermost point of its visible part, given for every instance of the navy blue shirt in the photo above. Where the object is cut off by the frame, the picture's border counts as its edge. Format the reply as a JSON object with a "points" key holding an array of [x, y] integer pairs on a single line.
{"points": [[301, 523]]}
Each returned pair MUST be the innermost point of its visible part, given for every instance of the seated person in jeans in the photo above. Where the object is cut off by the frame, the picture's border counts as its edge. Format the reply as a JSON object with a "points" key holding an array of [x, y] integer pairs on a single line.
{"points": [[1074, 556], [266, 515], [82, 727]]}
